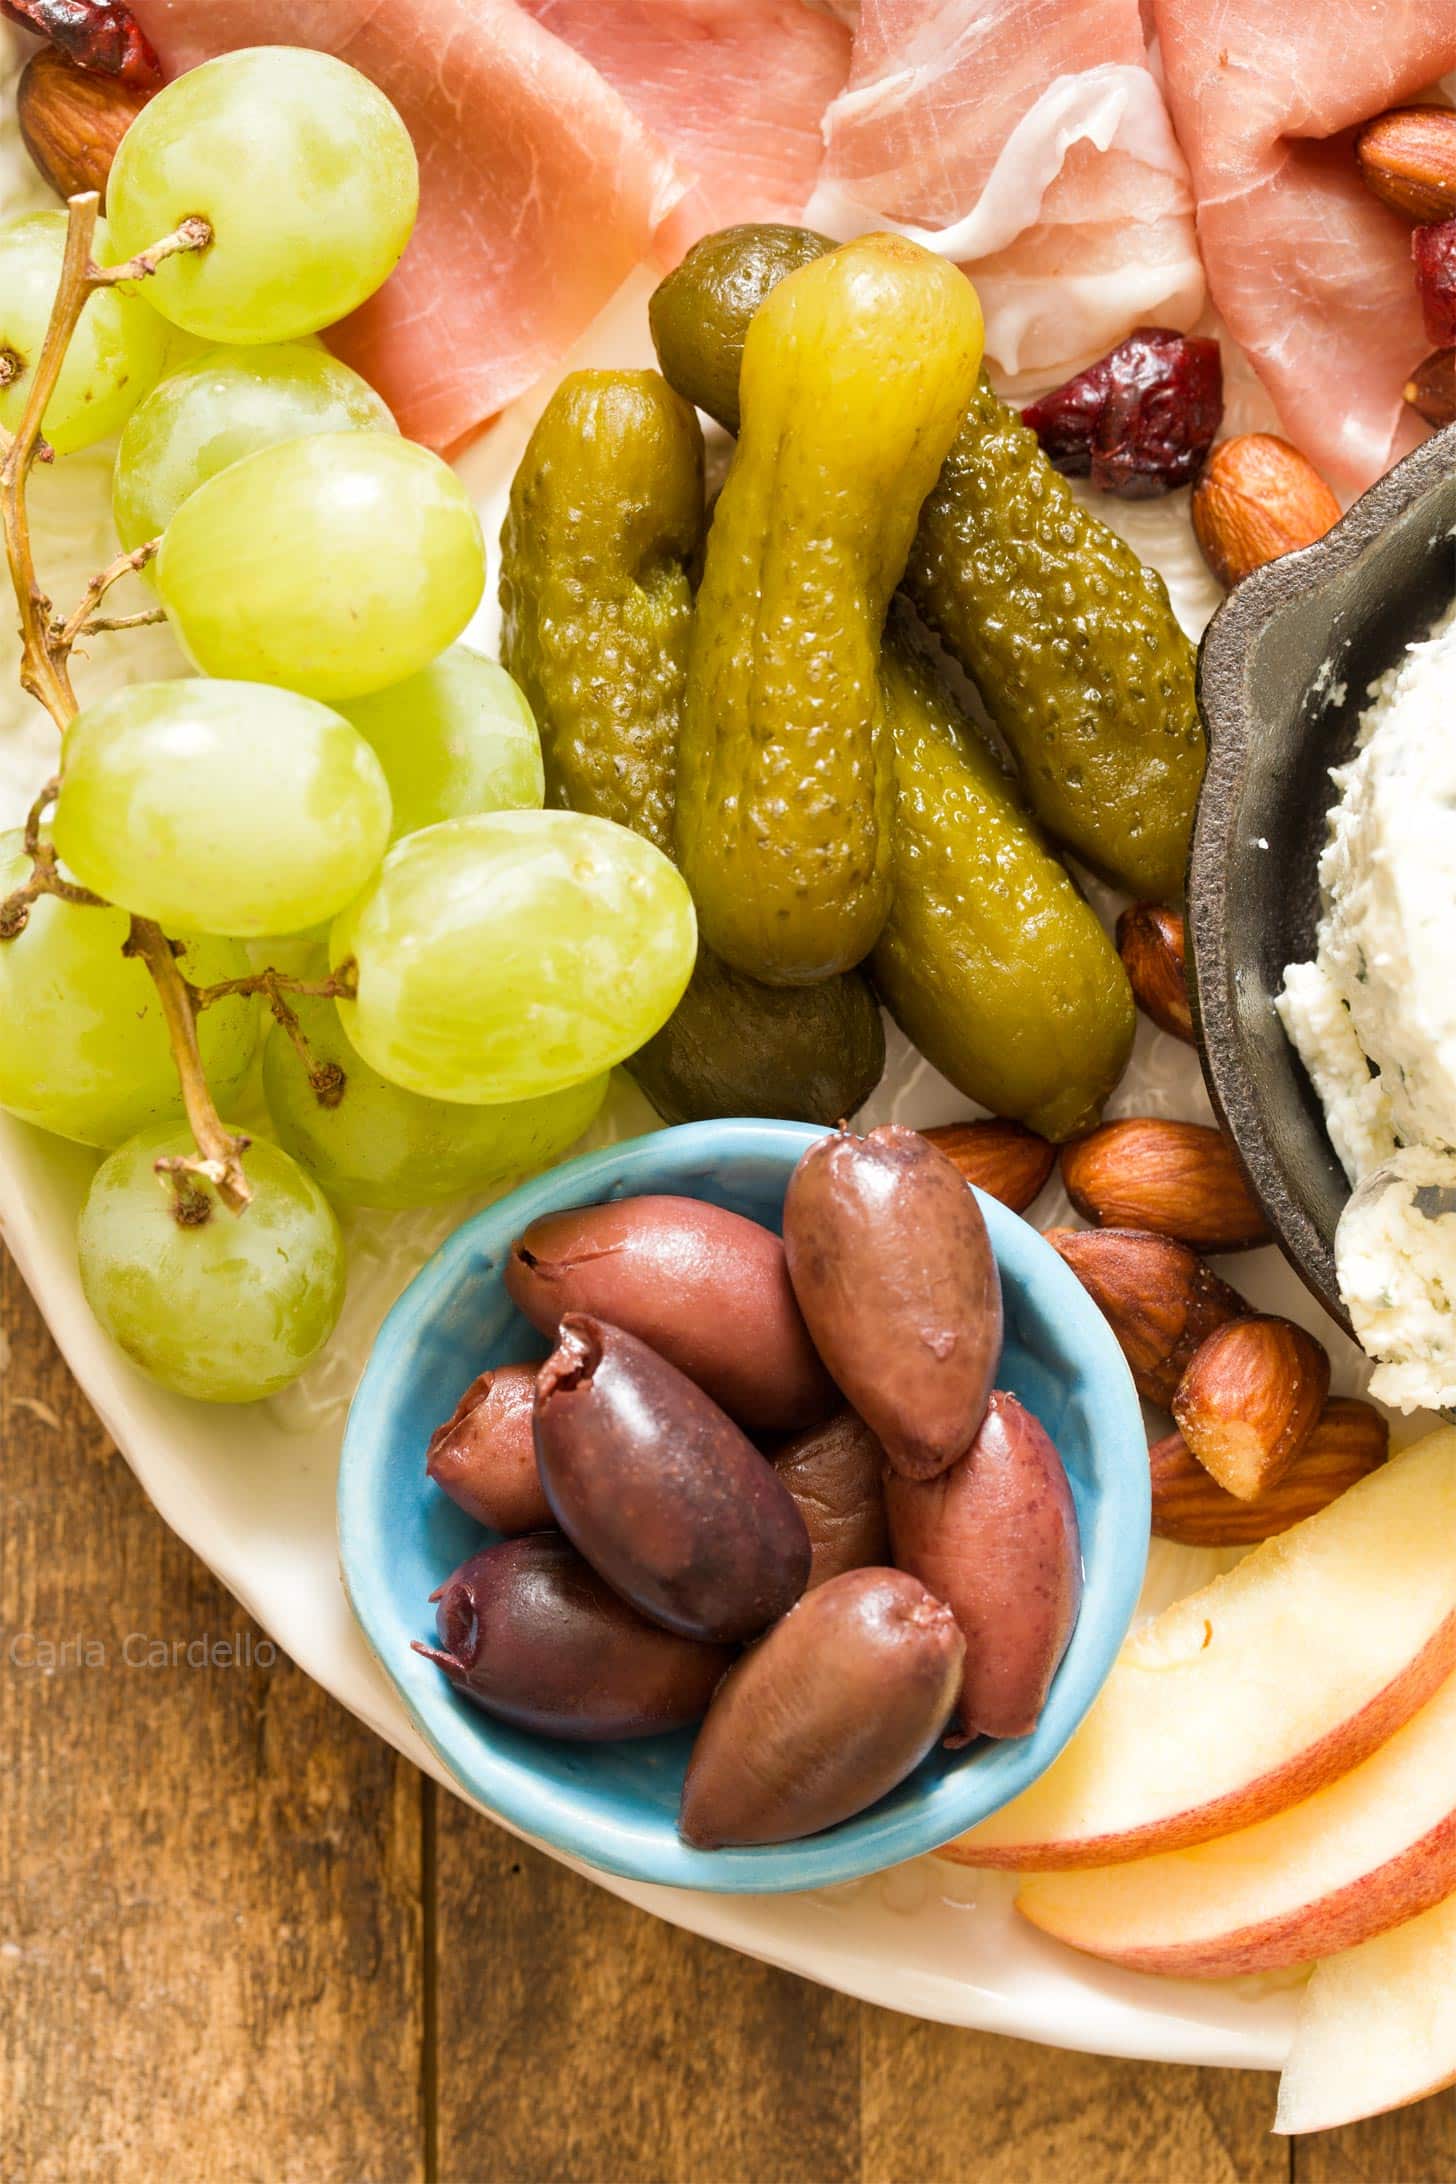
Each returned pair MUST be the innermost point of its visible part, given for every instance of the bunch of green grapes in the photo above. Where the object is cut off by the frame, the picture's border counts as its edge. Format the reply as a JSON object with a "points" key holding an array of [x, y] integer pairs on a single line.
{"points": [[340, 763]]}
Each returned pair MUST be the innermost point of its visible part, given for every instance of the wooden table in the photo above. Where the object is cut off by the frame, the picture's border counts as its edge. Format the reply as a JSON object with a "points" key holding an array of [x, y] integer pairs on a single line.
{"points": [[241, 1940]]}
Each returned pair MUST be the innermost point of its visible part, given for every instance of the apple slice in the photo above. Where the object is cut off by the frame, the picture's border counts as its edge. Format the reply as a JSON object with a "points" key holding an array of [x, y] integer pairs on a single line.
{"points": [[1376, 2027], [1372, 1848], [1254, 1692]]}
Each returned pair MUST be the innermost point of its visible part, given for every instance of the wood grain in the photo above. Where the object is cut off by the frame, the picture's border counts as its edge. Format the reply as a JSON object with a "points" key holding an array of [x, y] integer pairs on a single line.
{"points": [[241, 1941]]}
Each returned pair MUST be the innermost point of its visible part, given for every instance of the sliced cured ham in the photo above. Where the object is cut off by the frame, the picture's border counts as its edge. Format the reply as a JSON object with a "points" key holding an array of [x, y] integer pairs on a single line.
{"points": [[735, 88], [1028, 140], [540, 189], [1311, 274]]}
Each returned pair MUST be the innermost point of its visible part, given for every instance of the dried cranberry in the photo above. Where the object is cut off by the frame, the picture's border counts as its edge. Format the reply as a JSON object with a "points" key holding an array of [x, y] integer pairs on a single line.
{"points": [[1140, 421], [102, 35], [1434, 251]]}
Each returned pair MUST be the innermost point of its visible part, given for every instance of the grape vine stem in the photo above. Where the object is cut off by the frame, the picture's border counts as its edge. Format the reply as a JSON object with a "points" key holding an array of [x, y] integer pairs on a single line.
{"points": [[45, 672], [63, 635]]}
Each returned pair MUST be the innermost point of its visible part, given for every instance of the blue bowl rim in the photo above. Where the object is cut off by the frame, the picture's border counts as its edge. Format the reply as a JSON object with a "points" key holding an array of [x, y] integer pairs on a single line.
{"points": [[871, 1841]]}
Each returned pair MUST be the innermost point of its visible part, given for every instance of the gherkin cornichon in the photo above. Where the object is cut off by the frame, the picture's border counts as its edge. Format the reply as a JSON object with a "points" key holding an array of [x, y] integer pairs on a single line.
{"points": [[606, 515]]}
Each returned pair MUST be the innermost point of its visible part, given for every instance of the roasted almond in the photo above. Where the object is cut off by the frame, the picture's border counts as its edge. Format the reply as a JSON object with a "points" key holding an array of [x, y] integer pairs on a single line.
{"points": [[1004, 1159], [1250, 1400], [1151, 944], [1177, 1178], [73, 120], [1408, 158], [1431, 392], [1350, 1440], [1256, 499], [1160, 1300]]}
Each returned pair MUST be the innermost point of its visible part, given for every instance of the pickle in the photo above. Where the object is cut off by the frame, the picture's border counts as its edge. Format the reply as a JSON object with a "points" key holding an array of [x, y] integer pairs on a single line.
{"points": [[1074, 648], [606, 514], [855, 372], [991, 961], [1072, 641]]}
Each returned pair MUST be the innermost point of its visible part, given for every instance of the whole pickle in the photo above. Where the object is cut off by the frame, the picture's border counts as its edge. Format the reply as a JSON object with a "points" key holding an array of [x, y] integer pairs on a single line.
{"points": [[996, 1538], [1071, 640], [991, 961], [532, 1634], [855, 372], [662, 1493], [833, 1472], [699, 314], [605, 516], [836, 1705], [895, 1275], [709, 1291], [484, 1456]]}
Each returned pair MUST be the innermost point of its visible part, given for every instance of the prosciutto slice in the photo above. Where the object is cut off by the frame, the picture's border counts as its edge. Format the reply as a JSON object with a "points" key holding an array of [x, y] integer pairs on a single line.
{"points": [[1311, 273], [540, 189], [1028, 140], [735, 88]]}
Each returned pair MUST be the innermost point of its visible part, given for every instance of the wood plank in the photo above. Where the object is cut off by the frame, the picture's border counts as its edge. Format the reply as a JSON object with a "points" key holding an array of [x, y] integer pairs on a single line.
{"points": [[1412, 2146], [210, 1907], [945, 2107], [582, 2042]]}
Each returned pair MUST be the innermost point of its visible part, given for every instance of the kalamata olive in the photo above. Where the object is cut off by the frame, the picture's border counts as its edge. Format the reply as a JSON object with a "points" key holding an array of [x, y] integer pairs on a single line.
{"points": [[834, 1707], [996, 1538], [706, 1288], [484, 1456], [532, 1634], [833, 1472], [895, 1275], [661, 1492]]}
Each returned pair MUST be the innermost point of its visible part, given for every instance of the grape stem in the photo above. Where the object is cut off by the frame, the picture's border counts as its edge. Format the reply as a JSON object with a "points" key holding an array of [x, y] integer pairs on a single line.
{"points": [[63, 635], [327, 1080], [45, 674]]}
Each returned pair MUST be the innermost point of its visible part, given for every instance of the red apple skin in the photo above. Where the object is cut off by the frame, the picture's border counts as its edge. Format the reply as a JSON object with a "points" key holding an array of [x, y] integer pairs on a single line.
{"points": [[996, 1538]]}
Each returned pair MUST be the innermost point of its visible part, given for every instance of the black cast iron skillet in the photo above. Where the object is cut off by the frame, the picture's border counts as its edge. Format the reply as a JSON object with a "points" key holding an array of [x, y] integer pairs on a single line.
{"points": [[1283, 675]]}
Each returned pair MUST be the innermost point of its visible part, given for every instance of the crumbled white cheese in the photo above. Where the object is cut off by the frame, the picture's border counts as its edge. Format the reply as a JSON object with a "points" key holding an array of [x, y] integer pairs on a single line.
{"points": [[1374, 1019], [1395, 1250]]}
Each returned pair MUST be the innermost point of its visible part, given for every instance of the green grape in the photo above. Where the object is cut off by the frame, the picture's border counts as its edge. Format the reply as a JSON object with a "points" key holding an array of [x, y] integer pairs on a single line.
{"points": [[115, 356], [305, 174], [508, 955], [221, 807], [220, 406], [379, 1145], [83, 1046], [227, 1307], [457, 738], [334, 565]]}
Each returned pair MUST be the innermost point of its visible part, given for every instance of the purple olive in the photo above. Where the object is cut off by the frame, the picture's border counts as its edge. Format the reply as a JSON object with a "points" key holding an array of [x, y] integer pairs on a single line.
{"points": [[534, 1636], [706, 1288], [894, 1272], [996, 1538], [484, 1456], [834, 1707], [833, 1472], [661, 1491]]}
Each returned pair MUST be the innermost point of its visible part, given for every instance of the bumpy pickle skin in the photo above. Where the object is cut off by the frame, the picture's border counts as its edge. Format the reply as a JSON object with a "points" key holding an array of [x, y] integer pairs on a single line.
{"points": [[1072, 641], [605, 519], [991, 961], [1074, 647], [605, 511], [856, 370]]}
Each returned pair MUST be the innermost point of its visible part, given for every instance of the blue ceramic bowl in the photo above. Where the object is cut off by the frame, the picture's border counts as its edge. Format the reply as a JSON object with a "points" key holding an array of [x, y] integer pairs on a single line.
{"points": [[615, 1805]]}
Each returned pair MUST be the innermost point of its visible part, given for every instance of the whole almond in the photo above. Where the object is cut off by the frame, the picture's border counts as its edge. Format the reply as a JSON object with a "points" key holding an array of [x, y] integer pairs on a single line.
{"points": [[1408, 158], [72, 120], [1004, 1159], [1160, 1300], [1433, 254], [1256, 499], [1250, 1400], [1431, 391], [1176, 1178], [1351, 1440], [1151, 943]]}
